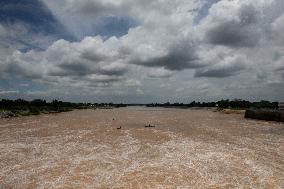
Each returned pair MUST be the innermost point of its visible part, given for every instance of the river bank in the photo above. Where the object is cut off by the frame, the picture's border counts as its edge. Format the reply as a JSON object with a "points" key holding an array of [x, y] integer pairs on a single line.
{"points": [[267, 115], [29, 112]]}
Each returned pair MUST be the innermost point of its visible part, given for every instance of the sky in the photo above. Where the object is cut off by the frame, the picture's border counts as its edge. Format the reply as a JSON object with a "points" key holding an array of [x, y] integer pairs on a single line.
{"points": [[134, 51]]}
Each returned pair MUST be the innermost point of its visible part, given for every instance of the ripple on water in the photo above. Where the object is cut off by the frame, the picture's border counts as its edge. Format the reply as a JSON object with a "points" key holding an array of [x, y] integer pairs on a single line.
{"points": [[51, 154]]}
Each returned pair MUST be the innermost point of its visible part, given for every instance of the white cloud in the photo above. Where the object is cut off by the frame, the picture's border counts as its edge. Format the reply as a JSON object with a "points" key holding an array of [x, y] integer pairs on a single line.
{"points": [[277, 29], [160, 73], [232, 40], [8, 92]]}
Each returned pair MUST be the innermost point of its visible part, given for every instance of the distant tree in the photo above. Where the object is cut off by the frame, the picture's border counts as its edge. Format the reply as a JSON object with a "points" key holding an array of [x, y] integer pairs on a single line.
{"points": [[265, 104], [21, 102], [223, 104], [38, 102]]}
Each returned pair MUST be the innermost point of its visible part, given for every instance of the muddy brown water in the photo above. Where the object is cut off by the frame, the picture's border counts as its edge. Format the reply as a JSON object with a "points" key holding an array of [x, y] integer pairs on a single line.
{"points": [[186, 149]]}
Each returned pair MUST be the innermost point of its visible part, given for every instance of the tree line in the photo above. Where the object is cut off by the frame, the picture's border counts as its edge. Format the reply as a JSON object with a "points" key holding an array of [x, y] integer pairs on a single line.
{"points": [[37, 106], [223, 104]]}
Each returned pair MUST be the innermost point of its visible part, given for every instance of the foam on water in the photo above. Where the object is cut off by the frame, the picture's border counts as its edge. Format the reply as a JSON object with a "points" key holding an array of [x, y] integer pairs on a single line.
{"points": [[103, 157]]}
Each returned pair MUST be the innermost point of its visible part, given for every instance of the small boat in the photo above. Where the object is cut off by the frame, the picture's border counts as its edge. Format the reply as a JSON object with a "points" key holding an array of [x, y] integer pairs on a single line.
{"points": [[150, 125]]}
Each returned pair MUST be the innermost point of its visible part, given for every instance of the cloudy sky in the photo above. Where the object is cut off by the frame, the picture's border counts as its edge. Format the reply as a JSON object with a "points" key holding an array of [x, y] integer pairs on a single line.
{"points": [[140, 51]]}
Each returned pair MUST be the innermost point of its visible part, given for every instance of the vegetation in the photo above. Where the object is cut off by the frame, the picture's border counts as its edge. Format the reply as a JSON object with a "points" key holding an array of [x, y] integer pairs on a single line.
{"points": [[222, 104], [263, 110], [12, 108]]}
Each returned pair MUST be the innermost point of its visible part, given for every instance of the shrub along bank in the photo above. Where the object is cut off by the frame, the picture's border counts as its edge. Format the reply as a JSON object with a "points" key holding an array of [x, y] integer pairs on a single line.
{"points": [[14, 108]]}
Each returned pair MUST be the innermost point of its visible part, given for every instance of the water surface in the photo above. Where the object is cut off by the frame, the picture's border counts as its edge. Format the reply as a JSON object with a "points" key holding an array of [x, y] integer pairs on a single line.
{"points": [[186, 149]]}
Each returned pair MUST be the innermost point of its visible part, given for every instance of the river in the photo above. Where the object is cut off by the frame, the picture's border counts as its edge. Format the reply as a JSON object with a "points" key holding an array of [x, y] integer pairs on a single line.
{"points": [[186, 149]]}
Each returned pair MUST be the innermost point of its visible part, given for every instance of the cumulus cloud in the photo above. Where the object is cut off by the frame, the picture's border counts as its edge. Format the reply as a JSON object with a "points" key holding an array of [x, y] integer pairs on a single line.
{"points": [[230, 39], [66, 60], [177, 57], [277, 30], [133, 83], [228, 67], [18, 65], [160, 73], [239, 30]]}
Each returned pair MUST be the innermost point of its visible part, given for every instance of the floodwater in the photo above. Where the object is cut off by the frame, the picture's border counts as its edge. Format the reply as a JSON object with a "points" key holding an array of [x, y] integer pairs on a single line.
{"points": [[186, 149]]}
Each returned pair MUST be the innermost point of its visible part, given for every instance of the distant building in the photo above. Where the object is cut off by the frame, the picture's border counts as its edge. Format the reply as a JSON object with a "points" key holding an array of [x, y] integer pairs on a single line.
{"points": [[281, 106]]}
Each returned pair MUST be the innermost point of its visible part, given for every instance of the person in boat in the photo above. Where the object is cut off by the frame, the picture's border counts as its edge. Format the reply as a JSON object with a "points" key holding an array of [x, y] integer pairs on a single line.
{"points": [[150, 125]]}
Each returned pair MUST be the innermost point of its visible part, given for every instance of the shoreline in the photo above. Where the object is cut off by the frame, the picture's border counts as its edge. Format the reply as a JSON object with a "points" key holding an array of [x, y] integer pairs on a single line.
{"points": [[6, 114], [261, 115]]}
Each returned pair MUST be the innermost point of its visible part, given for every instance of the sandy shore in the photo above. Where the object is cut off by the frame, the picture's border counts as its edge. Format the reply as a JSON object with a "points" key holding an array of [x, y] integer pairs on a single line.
{"points": [[186, 149]]}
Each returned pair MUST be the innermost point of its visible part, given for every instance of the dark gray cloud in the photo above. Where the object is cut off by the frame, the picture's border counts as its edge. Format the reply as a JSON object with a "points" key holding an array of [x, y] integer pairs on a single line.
{"points": [[74, 69], [17, 69], [29, 25], [105, 18], [77, 68], [92, 7], [83, 69], [241, 32], [115, 71], [220, 71], [280, 68], [179, 57], [93, 56]]}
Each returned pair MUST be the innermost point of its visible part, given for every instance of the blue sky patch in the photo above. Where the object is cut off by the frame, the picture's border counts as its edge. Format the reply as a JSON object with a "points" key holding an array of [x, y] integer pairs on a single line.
{"points": [[35, 17]]}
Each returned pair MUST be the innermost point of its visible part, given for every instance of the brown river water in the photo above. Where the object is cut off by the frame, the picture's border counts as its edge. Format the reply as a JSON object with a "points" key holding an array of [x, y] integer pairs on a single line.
{"points": [[186, 149]]}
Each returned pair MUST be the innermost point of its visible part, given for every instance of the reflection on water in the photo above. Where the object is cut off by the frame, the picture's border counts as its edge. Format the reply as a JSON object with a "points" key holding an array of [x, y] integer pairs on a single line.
{"points": [[186, 149]]}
